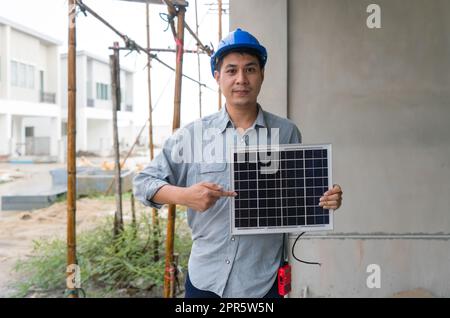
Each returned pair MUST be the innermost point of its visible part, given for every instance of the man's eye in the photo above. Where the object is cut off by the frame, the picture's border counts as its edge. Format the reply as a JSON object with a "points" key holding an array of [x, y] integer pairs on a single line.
{"points": [[251, 70], [231, 71]]}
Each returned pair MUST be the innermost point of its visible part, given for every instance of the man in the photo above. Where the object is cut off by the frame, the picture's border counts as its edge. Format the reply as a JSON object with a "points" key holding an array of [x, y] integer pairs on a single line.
{"points": [[222, 265]]}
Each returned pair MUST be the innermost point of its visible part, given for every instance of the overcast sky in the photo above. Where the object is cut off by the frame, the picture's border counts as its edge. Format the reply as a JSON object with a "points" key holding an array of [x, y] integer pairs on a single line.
{"points": [[50, 17]]}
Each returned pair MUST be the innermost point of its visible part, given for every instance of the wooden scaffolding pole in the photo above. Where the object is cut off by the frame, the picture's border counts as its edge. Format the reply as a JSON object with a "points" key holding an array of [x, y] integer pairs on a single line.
{"points": [[155, 220], [116, 101], [169, 277], [71, 156]]}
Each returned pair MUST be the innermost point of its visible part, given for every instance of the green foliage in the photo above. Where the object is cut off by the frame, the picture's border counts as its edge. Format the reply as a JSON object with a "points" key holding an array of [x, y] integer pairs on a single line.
{"points": [[107, 264], [38, 271]]}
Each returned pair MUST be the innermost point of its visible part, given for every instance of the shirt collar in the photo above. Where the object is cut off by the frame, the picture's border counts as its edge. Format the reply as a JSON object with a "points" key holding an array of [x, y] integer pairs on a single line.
{"points": [[224, 120]]}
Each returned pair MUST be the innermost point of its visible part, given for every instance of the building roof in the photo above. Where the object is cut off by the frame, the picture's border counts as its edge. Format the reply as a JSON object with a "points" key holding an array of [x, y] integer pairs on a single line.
{"points": [[44, 38]]}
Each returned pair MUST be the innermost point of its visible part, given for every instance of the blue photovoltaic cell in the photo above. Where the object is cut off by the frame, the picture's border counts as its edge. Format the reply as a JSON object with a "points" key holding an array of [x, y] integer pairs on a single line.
{"points": [[285, 196]]}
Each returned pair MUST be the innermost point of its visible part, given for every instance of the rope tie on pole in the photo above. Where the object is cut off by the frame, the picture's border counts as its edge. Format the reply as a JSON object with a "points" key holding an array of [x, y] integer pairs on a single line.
{"points": [[82, 8], [180, 46], [170, 273], [131, 44], [167, 18]]}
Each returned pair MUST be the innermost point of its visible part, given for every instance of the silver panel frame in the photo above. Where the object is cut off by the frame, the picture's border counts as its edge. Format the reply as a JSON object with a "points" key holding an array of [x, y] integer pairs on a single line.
{"points": [[279, 229]]}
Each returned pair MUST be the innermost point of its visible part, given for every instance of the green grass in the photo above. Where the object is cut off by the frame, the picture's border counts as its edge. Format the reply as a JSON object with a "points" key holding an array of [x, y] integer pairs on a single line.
{"points": [[107, 264]]}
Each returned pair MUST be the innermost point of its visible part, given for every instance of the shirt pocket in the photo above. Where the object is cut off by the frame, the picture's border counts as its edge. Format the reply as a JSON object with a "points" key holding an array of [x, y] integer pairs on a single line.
{"points": [[213, 172]]}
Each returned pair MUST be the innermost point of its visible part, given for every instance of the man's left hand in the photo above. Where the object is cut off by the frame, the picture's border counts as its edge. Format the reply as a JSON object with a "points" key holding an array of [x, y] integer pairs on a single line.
{"points": [[332, 199]]}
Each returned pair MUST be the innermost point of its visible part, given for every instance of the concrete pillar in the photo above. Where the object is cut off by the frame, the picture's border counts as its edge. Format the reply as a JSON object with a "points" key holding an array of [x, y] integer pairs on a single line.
{"points": [[55, 137], [9, 131], [132, 135], [56, 57], [5, 134], [3, 150], [2, 62], [82, 136], [82, 126], [18, 137], [267, 22]]}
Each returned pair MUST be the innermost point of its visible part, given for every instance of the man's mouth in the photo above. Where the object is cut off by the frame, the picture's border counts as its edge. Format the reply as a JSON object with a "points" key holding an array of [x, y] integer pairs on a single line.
{"points": [[241, 92]]}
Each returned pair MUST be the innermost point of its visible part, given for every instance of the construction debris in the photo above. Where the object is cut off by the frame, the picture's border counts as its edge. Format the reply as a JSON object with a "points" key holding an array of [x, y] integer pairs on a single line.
{"points": [[7, 175]]}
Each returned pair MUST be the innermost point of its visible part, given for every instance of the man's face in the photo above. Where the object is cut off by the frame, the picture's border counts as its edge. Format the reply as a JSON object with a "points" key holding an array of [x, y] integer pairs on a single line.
{"points": [[240, 79]]}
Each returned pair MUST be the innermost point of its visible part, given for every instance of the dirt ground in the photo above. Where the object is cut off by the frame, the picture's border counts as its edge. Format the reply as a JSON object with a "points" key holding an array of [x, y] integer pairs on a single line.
{"points": [[19, 229]]}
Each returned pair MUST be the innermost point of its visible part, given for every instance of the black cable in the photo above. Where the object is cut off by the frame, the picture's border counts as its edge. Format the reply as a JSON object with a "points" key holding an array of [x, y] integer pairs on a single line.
{"points": [[299, 260], [166, 18]]}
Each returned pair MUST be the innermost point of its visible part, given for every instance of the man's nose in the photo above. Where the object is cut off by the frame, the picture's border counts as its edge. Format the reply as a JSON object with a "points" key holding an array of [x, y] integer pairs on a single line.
{"points": [[242, 77]]}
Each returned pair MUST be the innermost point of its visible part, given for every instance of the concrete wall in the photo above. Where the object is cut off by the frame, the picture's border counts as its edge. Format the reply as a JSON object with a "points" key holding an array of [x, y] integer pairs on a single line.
{"points": [[266, 19], [18, 136], [381, 97], [5, 32], [42, 126], [25, 49], [128, 83], [99, 133], [63, 86], [51, 71], [82, 134], [21, 106], [94, 124], [406, 265], [101, 74], [5, 134], [30, 50]]}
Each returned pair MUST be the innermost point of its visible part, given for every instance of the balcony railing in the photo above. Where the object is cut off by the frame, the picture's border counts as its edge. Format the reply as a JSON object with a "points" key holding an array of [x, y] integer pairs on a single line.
{"points": [[90, 102], [49, 98]]}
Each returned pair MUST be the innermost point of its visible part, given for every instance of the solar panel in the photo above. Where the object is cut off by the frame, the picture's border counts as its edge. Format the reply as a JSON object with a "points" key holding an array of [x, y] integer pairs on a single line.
{"points": [[279, 188]]}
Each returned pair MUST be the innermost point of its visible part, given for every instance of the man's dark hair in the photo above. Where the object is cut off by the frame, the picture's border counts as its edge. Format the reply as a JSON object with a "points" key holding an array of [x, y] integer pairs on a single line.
{"points": [[248, 51]]}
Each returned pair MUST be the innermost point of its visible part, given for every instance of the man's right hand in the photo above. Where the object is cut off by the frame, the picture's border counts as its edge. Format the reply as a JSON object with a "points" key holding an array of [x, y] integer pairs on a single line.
{"points": [[202, 196]]}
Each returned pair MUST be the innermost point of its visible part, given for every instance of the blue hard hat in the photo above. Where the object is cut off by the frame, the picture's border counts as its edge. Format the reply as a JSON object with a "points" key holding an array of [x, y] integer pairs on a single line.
{"points": [[238, 39]]}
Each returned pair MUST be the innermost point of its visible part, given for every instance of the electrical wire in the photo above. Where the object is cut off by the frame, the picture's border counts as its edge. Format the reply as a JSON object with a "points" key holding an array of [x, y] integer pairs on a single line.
{"points": [[299, 260]]}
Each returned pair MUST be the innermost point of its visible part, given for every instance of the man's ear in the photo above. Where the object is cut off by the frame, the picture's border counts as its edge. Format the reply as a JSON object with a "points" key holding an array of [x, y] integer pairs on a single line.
{"points": [[217, 76]]}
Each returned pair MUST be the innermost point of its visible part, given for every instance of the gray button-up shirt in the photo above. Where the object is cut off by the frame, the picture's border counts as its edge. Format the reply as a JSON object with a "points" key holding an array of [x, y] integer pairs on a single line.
{"points": [[230, 266]]}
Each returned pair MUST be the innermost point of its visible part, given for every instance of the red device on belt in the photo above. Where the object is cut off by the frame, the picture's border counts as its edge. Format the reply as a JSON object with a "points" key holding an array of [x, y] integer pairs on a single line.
{"points": [[284, 279]]}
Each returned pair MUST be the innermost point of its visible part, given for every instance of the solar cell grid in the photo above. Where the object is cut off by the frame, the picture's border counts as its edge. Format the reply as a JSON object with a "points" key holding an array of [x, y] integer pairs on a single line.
{"points": [[279, 189]]}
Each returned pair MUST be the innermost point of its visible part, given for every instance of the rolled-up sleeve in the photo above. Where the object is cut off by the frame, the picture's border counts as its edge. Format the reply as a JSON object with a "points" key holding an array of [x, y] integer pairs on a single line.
{"points": [[160, 172]]}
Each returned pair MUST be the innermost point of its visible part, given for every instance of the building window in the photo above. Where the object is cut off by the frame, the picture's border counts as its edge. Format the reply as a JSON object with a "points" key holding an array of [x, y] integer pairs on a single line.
{"points": [[29, 131], [22, 75], [103, 92]]}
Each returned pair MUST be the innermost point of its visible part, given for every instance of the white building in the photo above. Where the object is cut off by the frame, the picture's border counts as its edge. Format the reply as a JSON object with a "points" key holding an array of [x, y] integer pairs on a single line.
{"points": [[30, 114], [94, 104]]}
